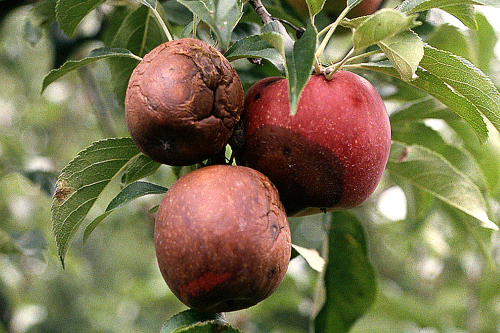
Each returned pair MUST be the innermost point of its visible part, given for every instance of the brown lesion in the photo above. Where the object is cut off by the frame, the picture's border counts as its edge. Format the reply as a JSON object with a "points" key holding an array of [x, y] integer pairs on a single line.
{"points": [[62, 193], [293, 163]]}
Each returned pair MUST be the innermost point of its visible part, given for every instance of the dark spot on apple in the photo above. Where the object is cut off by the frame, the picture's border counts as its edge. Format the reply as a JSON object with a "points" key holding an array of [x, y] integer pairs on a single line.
{"points": [[271, 273], [293, 163], [257, 96], [275, 230]]}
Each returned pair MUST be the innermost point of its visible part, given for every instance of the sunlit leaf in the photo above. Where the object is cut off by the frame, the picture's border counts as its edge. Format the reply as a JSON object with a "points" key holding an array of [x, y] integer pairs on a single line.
{"points": [[311, 256], [432, 173], [349, 278], [71, 12], [379, 26], [82, 181], [405, 51]]}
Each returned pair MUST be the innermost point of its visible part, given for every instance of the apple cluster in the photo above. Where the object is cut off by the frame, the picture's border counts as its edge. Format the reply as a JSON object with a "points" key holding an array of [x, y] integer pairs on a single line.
{"points": [[221, 233]]}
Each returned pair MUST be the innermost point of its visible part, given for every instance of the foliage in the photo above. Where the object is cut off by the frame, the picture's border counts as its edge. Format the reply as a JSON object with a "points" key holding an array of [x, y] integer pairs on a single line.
{"points": [[375, 274]]}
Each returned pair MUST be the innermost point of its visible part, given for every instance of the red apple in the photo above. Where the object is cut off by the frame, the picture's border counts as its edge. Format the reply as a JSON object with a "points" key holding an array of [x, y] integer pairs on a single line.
{"points": [[335, 7], [331, 154]]}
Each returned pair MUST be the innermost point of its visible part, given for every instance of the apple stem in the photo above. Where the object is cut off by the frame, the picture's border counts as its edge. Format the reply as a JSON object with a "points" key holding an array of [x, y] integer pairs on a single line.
{"points": [[331, 70], [195, 19], [261, 11]]}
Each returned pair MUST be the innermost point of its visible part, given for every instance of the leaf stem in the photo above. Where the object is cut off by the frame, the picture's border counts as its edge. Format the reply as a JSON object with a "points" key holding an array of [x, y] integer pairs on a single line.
{"points": [[331, 29], [163, 25]]}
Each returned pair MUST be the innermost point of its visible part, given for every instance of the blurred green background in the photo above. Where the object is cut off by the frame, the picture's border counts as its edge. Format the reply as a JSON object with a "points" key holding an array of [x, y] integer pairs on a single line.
{"points": [[433, 276]]}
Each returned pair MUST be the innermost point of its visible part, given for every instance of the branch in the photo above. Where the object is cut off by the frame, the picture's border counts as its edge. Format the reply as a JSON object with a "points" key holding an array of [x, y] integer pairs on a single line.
{"points": [[261, 11]]}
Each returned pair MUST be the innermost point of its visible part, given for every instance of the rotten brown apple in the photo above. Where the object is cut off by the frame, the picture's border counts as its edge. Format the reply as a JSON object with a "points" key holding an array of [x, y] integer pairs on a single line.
{"points": [[182, 103], [222, 238]]}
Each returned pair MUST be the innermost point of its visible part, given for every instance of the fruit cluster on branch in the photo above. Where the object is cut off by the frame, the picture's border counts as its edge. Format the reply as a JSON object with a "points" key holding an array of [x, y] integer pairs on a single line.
{"points": [[221, 233]]}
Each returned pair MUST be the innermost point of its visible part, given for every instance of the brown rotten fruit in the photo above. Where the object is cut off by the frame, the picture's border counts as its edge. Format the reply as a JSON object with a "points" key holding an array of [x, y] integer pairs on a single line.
{"points": [[222, 238], [182, 102], [331, 154]]}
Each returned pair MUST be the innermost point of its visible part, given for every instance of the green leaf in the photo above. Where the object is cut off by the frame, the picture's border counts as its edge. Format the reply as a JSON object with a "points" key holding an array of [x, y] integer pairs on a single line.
{"points": [[315, 6], [379, 26], [299, 63], [134, 191], [420, 109], [485, 39], [405, 51], [311, 256], [452, 39], [139, 168], [349, 279], [71, 12], [129, 193], [139, 33], [432, 173], [420, 134], [221, 15], [97, 54], [298, 56], [82, 181], [465, 13], [197, 322], [255, 47], [414, 6], [435, 87], [466, 79]]}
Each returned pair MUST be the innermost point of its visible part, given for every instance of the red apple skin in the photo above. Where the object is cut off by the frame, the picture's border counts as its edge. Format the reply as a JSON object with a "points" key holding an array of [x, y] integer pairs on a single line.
{"points": [[335, 7], [331, 154]]}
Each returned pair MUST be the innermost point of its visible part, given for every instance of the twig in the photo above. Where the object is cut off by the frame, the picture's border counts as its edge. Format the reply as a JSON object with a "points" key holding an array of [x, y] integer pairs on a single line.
{"points": [[261, 11]]}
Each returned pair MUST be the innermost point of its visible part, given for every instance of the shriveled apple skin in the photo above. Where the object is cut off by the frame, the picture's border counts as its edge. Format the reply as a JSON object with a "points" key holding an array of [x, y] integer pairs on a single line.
{"points": [[331, 154], [183, 101], [222, 238]]}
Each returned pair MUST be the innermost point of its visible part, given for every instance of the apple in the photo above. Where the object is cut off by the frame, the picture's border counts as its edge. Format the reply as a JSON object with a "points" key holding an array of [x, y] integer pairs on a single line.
{"points": [[335, 7], [331, 154], [222, 238], [182, 103]]}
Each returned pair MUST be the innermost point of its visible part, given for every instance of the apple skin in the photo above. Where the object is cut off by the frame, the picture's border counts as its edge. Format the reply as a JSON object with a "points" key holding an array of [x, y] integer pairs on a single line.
{"points": [[335, 7], [222, 238], [331, 154], [182, 103]]}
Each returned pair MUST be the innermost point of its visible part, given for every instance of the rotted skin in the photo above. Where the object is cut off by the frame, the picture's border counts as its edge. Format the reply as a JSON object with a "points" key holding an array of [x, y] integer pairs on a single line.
{"points": [[222, 238], [331, 154], [182, 103]]}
